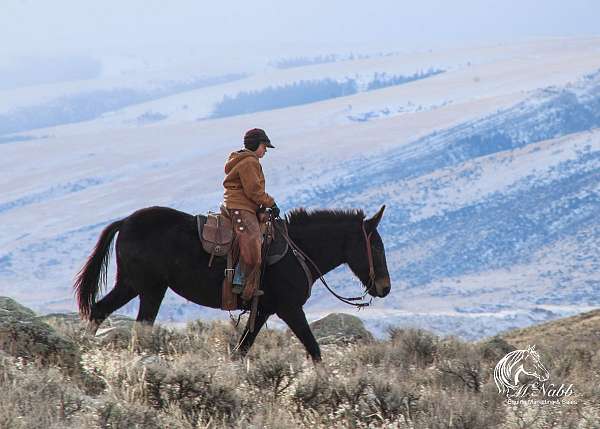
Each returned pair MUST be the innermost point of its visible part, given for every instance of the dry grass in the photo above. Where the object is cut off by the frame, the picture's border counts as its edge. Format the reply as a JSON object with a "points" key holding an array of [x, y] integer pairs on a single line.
{"points": [[160, 377]]}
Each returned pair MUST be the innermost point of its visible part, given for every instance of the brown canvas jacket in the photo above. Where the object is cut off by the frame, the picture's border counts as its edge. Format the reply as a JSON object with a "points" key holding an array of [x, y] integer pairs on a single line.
{"points": [[245, 182]]}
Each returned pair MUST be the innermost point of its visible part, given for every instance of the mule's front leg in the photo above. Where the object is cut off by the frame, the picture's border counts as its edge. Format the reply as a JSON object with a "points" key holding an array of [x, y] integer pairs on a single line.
{"points": [[296, 320]]}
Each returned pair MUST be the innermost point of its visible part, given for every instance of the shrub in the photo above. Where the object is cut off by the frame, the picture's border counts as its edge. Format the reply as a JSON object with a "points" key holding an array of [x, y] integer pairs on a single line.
{"points": [[313, 392], [418, 347], [274, 371], [192, 386], [467, 372], [462, 366], [350, 389], [456, 410], [36, 397], [271, 416], [124, 415], [376, 353], [391, 399], [494, 349]]}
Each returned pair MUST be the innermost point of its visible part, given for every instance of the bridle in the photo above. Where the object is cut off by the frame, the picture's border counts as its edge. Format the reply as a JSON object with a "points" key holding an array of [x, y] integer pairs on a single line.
{"points": [[347, 300], [371, 282]]}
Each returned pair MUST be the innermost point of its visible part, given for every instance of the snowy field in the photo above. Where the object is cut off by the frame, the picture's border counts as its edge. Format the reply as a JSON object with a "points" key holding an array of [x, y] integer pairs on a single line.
{"points": [[490, 172]]}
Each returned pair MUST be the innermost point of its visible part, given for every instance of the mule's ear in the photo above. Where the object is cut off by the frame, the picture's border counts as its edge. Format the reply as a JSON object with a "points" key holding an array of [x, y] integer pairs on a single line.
{"points": [[374, 221]]}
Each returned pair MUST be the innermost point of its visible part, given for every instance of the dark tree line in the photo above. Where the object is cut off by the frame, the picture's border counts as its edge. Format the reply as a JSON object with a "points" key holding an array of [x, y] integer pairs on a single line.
{"points": [[297, 93], [304, 92], [383, 80]]}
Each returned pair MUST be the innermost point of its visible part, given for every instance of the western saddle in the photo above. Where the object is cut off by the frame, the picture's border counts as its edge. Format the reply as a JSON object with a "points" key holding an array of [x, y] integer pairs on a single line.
{"points": [[216, 234]]}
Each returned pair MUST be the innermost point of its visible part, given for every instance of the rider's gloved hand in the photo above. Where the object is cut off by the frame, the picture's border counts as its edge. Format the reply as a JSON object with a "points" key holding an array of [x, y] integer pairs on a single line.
{"points": [[275, 210]]}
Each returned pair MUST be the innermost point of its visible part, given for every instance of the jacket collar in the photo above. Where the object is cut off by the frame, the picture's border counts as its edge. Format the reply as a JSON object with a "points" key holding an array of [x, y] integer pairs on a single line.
{"points": [[248, 151]]}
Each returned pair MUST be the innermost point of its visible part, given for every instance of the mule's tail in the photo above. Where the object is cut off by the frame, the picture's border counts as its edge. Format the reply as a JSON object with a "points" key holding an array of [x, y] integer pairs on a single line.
{"points": [[93, 274]]}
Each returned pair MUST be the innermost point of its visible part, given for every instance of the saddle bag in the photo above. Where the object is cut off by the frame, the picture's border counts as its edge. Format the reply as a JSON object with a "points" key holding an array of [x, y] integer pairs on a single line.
{"points": [[217, 234]]}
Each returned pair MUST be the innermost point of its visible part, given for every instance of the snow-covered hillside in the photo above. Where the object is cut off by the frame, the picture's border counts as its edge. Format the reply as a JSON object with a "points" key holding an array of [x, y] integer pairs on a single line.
{"points": [[490, 172], [137, 101]]}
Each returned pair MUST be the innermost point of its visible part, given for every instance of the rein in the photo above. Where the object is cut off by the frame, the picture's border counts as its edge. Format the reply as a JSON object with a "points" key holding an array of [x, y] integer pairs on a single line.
{"points": [[347, 300]]}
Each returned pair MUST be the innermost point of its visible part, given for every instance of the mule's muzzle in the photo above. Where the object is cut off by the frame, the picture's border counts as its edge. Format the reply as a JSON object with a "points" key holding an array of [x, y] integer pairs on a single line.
{"points": [[383, 287]]}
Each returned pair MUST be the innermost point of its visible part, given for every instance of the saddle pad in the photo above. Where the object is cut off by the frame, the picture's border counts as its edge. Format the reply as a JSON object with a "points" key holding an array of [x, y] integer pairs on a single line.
{"points": [[279, 246]]}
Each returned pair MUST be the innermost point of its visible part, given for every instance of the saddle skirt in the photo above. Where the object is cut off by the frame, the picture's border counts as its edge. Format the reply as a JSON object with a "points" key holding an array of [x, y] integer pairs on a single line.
{"points": [[216, 235]]}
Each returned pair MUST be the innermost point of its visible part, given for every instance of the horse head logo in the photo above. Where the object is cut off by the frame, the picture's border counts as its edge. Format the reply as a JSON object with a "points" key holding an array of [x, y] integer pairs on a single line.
{"points": [[517, 364]]}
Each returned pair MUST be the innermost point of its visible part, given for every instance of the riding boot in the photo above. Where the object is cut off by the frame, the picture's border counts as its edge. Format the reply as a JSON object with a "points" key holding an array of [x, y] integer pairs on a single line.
{"points": [[239, 278]]}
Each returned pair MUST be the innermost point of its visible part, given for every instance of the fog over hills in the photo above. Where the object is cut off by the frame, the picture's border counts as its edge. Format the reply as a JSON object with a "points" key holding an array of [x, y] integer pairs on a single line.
{"points": [[490, 172]]}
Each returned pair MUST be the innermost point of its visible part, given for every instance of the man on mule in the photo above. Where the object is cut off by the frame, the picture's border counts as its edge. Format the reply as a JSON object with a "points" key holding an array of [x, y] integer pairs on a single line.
{"points": [[243, 196]]}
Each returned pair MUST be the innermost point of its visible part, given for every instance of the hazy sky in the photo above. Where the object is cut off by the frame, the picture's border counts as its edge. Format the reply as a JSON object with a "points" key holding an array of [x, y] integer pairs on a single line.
{"points": [[262, 29]]}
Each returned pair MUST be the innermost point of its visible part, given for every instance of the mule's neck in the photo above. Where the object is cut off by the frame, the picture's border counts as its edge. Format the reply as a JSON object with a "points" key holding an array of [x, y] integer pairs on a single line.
{"points": [[324, 243]]}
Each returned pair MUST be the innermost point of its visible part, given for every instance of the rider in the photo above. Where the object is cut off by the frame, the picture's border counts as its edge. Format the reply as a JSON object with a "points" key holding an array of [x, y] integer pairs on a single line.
{"points": [[243, 196]]}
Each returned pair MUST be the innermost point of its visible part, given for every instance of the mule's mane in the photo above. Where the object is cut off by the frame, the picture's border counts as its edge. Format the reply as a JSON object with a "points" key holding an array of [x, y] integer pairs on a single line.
{"points": [[301, 216]]}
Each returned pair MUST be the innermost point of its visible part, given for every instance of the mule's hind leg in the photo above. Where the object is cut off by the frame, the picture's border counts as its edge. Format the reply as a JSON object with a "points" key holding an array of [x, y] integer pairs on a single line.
{"points": [[150, 301], [115, 299]]}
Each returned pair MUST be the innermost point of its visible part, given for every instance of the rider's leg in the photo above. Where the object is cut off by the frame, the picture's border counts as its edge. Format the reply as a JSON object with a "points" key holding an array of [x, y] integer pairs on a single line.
{"points": [[248, 233]]}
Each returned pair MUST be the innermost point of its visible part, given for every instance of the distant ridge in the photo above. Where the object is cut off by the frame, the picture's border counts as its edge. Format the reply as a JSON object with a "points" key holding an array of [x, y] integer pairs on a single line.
{"points": [[580, 330]]}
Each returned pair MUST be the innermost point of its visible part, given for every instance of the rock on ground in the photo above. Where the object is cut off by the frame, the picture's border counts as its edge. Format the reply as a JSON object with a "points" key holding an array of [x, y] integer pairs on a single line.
{"points": [[340, 328], [24, 335]]}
